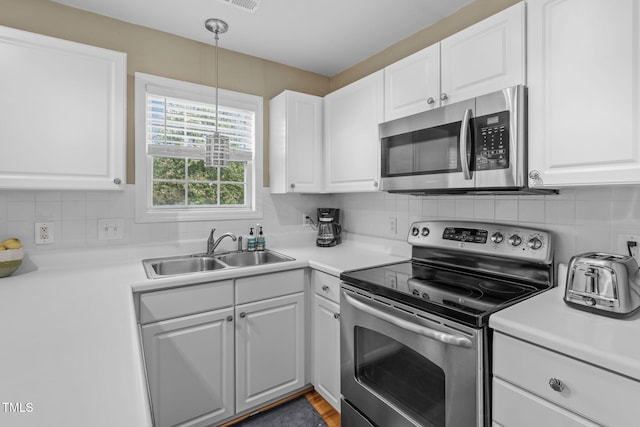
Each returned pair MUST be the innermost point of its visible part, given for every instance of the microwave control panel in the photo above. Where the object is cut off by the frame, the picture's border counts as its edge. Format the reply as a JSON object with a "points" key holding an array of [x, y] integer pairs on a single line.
{"points": [[492, 141]]}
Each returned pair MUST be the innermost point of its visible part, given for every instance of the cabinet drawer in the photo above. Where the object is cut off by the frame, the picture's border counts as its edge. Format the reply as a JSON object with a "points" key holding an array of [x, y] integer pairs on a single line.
{"points": [[170, 303], [265, 286], [589, 391], [326, 285], [513, 407]]}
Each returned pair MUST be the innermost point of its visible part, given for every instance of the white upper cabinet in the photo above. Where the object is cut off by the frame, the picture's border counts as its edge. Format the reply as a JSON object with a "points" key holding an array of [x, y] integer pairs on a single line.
{"points": [[584, 96], [62, 114], [484, 58], [352, 115], [412, 85], [295, 143]]}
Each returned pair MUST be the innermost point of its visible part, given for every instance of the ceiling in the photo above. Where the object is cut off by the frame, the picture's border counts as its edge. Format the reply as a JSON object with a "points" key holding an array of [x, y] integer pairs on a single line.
{"points": [[322, 36]]}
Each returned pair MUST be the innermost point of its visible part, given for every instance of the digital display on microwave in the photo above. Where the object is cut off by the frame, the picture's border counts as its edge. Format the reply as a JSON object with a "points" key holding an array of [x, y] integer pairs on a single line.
{"points": [[493, 120]]}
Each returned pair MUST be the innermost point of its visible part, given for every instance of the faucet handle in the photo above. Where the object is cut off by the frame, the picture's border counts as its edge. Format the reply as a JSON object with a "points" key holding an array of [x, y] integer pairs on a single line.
{"points": [[213, 230]]}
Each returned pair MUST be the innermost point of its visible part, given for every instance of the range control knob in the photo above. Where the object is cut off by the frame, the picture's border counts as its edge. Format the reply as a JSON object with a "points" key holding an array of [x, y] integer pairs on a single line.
{"points": [[425, 231], [515, 240], [497, 237], [534, 243], [415, 231]]}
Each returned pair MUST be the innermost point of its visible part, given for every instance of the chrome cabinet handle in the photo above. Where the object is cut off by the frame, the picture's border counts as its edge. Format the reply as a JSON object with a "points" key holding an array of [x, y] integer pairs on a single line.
{"points": [[117, 181], [325, 288], [464, 135], [229, 318], [243, 314], [430, 100], [443, 97], [293, 185], [556, 385], [375, 183], [336, 315], [412, 327], [534, 174]]}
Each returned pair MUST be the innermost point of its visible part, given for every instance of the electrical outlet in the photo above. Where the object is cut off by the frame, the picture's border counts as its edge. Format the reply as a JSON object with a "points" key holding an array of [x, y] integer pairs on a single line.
{"points": [[393, 225], [624, 247], [305, 220], [110, 229], [44, 233]]}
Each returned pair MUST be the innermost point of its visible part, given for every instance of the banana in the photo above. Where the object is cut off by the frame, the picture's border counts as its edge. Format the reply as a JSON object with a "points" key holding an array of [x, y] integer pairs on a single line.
{"points": [[12, 243]]}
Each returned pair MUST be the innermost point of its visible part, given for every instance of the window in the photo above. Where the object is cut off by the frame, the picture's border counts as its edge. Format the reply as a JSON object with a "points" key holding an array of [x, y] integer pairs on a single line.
{"points": [[173, 119]]}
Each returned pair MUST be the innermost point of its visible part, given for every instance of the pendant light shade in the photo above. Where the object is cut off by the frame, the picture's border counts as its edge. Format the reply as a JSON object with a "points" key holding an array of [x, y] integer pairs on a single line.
{"points": [[217, 148]]}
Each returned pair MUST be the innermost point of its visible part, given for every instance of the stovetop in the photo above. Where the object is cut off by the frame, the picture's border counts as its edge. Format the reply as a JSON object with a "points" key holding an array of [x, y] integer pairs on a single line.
{"points": [[462, 271]]}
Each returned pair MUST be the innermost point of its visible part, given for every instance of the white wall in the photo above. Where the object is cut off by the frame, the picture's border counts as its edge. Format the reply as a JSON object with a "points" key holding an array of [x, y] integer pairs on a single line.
{"points": [[583, 219], [75, 216]]}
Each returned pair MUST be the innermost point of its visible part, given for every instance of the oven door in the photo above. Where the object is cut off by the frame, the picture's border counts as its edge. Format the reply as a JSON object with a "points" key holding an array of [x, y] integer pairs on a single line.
{"points": [[430, 150], [402, 367]]}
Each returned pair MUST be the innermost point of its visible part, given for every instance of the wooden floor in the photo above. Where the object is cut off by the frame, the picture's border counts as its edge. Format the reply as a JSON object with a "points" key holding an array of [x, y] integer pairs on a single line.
{"points": [[330, 415]]}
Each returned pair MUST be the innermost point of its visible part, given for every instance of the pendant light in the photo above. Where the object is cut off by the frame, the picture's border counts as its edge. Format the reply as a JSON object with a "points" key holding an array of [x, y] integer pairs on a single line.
{"points": [[217, 146]]}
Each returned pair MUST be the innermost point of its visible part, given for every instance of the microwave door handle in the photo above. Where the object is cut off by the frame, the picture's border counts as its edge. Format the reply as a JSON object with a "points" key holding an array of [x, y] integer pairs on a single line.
{"points": [[443, 337], [464, 136]]}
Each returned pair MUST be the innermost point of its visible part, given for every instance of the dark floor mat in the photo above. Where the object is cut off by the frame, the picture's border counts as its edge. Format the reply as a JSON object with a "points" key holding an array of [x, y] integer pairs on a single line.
{"points": [[296, 413]]}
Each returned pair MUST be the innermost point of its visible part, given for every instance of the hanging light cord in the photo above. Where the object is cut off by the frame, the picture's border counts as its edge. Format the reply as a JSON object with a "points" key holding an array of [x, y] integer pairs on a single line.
{"points": [[217, 32]]}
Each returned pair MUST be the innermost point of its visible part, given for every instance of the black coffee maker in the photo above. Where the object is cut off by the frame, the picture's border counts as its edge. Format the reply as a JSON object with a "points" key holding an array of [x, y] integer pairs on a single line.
{"points": [[328, 227]]}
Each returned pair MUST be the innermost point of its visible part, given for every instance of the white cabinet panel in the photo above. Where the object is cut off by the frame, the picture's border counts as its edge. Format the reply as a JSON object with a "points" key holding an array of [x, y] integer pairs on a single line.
{"points": [[62, 114], [486, 57], [190, 368], [295, 143], [326, 350], [412, 84], [352, 115], [584, 100], [269, 349]]}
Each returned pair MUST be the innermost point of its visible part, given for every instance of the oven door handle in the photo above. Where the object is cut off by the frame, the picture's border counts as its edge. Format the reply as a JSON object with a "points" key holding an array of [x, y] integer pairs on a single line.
{"points": [[464, 138], [443, 337]]}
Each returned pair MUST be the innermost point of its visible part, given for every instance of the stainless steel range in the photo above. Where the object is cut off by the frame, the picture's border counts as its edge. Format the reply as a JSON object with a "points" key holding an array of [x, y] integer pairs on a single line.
{"points": [[415, 347]]}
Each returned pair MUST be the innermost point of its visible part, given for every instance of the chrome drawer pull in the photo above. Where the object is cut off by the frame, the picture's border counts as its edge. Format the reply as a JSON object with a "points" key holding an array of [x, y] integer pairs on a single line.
{"points": [[325, 288], [556, 384]]}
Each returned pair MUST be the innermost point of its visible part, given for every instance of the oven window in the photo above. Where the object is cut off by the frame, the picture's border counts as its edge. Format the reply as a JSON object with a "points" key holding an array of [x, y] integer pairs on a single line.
{"points": [[428, 151], [401, 376]]}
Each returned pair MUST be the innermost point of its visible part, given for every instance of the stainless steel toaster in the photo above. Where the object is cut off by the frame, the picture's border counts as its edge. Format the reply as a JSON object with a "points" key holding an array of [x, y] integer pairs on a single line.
{"points": [[604, 283]]}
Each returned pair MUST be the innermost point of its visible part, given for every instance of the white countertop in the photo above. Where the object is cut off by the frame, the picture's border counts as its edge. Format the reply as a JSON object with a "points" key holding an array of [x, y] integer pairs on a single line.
{"points": [[547, 321], [69, 350]]}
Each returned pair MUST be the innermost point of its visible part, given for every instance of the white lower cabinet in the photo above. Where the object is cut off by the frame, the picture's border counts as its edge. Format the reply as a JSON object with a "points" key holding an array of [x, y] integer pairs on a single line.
{"points": [[190, 365], [208, 359], [269, 349], [326, 337], [535, 386]]}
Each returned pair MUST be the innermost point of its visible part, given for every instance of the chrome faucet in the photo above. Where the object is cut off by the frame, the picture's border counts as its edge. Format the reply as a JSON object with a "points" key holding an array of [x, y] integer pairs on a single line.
{"points": [[212, 245]]}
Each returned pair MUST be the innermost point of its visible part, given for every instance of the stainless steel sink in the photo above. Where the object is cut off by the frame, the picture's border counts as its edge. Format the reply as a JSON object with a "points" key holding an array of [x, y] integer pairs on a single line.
{"points": [[201, 263], [247, 259]]}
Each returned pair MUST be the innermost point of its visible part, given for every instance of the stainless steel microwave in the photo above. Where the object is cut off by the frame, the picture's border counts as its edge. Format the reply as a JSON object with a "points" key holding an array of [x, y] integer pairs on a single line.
{"points": [[478, 145]]}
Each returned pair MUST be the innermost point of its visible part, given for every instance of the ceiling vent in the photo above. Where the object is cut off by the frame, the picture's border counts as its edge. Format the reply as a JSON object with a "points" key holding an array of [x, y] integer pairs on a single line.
{"points": [[247, 5]]}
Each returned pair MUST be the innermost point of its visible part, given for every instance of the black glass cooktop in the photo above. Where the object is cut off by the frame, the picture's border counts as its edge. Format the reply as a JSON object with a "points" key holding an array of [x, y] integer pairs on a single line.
{"points": [[462, 296]]}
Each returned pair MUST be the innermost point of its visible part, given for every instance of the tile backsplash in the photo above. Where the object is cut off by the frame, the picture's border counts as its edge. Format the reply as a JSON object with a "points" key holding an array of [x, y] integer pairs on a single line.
{"points": [[583, 219]]}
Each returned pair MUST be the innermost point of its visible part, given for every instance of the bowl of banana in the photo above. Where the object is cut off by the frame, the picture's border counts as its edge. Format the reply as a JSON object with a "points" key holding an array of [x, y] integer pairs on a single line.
{"points": [[11, 254]]}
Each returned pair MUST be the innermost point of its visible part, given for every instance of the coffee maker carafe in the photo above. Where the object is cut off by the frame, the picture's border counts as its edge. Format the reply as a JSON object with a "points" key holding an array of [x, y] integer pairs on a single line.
{"points": [[328, 227]]}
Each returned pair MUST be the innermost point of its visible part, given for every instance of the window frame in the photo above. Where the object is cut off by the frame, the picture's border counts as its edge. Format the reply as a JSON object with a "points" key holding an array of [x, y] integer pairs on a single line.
{"points": [[145, 211]]}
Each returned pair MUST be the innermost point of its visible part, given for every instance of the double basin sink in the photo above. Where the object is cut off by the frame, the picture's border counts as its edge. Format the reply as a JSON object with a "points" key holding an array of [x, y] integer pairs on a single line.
{"points": [[200, 263]]}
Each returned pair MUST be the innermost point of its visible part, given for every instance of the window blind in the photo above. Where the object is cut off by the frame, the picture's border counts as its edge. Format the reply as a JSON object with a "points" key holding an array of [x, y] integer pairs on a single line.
{"points": [[178, 128]]}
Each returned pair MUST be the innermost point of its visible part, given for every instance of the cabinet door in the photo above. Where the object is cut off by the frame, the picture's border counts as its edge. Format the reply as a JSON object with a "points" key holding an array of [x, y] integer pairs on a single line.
{"points": [[295, 143], [412, 85], [326, 350], [190, 367], [352, 115], [62, 114], [486, 57], [269, 349], [583, 67]]}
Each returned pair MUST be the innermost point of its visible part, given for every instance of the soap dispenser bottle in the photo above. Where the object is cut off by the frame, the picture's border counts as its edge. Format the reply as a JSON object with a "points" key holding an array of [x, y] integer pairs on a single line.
{"points": [[251, 241], [261, 242]]}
